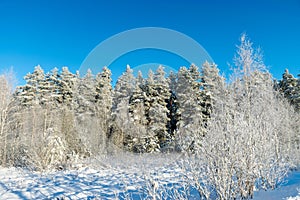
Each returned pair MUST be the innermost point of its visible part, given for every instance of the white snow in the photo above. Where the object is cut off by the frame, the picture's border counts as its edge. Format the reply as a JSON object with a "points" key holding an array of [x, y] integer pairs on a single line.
{"points": [[289, 190], [112, 181]]}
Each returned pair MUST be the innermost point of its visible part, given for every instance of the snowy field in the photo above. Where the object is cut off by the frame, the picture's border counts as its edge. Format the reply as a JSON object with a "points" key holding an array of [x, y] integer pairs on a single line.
{"points": [[115, 178]]}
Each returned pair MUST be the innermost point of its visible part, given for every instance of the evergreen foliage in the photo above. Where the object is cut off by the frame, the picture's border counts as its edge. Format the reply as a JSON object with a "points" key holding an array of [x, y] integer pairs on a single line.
{"points": [[290, 88], [234, 135], [140, 115]]}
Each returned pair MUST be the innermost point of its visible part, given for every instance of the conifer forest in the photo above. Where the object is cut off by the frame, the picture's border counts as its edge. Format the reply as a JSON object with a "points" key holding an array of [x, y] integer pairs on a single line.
{"points": [[232, 135]]}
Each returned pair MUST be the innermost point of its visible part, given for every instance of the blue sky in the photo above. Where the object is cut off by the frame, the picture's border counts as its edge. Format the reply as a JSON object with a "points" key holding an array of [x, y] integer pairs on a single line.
{"points": [[56, 33]]}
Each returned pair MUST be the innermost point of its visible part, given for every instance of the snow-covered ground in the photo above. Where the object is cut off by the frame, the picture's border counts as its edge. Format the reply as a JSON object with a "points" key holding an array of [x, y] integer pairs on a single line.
{"points": [[289, 189], [113, 178]]}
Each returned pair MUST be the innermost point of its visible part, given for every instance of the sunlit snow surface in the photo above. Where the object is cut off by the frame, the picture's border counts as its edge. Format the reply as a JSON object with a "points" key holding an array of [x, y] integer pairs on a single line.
{"points": [[110, 180], [289, 189]]}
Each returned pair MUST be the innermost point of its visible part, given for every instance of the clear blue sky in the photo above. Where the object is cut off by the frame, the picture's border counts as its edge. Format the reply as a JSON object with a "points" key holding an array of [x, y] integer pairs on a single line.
{"points": [[56, 33]]}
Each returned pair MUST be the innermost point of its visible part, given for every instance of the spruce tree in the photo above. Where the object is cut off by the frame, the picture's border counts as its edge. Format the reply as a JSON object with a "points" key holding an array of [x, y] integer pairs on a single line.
{"points": [[120, 128], [189, 97], [54, 88], [30, 93], [124, 86], [138, 115], [152, 110], [289, 87], [104, 104], [85, 97], [139, 122], [161, 113], [69, 85], [213, 88]]}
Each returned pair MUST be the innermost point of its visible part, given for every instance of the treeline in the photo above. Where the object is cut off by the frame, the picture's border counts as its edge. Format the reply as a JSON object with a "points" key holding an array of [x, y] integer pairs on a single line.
{"points": [[58, 117]]}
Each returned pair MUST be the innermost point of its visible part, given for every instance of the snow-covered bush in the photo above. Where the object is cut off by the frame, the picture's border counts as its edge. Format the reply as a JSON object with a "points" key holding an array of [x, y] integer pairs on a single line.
{"points": [[51, 153], [242, 148]]}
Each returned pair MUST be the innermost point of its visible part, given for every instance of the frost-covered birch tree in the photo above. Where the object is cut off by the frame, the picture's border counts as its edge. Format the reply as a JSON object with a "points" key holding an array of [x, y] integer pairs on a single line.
{"points": [[6, 92], [241, 150]]}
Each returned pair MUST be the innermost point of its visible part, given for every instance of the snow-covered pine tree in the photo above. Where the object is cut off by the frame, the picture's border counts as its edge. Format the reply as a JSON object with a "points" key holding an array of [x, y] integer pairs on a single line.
{"points": [[173, 110], [85, 98], [289, 87], [120, 128], [69, 85], [69, 90], [49, 89], [54, 91], [85, 111], [172, 80], [160, 110], [189, 97], [50, 101], [124, 86], [120, 131], [34, 115], [213, 88], [149, 112], [140, 81], [153, 110], [104, 104], [137, 116], [29, 94]]}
